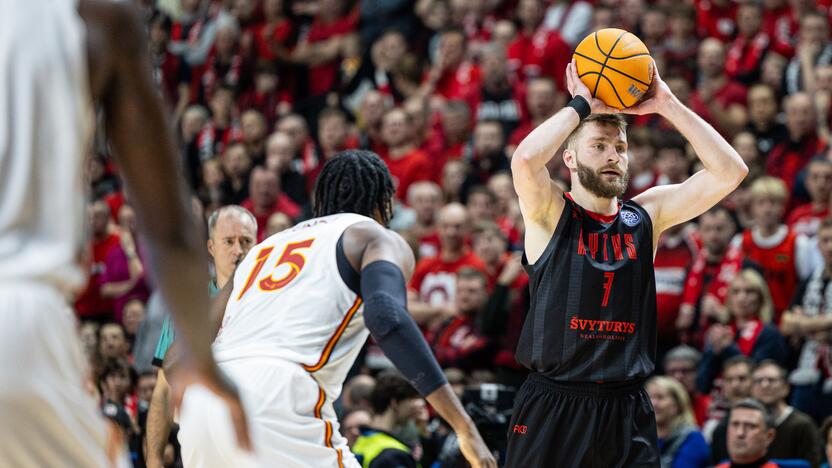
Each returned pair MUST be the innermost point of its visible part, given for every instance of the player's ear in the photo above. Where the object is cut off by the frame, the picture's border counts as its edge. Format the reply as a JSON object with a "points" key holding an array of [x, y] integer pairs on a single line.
{"points": [[569, 158]]}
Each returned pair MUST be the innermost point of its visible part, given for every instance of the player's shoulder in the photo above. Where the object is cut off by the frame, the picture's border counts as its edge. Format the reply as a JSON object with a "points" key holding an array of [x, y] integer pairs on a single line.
{"points": [[369, 234]]}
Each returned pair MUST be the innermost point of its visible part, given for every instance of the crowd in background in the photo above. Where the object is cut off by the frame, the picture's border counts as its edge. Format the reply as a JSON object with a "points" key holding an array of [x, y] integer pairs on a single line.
{"points": [[263, 92]]}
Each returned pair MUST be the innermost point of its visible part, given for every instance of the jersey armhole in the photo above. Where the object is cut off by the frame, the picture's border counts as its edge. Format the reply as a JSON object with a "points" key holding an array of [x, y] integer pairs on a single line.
{"points": [[547, 252], [349, 276]]}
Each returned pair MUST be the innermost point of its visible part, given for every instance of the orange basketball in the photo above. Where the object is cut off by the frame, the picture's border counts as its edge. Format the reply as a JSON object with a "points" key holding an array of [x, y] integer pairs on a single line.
{"points": [[615, 65]]}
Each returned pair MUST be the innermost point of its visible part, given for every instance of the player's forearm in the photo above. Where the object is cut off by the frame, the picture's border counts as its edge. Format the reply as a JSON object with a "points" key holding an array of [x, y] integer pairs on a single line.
{"points": [[793, 324], [718, 157], [540, 146], [448, 406], [159, 421]]}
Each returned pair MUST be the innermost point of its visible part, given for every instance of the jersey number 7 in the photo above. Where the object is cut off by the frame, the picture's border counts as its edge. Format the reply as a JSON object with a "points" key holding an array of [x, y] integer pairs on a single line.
{"points": [[295, 260]]}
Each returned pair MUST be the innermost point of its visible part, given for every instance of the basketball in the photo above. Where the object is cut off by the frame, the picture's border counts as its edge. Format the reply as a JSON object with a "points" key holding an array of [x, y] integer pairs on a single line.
{"points": [[615, 65]]}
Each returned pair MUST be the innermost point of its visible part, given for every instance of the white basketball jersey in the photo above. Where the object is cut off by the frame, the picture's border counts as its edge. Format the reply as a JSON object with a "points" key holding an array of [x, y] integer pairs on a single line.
{"points": [[46, 121], [290, 302]]}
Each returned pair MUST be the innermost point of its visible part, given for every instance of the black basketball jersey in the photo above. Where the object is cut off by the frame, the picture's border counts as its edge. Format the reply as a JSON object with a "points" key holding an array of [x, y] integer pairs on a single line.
{"points": [[592, 316]]}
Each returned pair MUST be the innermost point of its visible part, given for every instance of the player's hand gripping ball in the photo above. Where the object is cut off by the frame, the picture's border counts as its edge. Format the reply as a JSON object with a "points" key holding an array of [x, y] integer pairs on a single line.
{"points": [[616, 67]]}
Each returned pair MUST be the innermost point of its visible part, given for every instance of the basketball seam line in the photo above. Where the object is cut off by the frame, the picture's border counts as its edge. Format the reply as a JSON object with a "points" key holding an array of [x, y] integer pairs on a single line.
{"points": [[614, 90], [611, 68], [630, 56], [607, 57]]}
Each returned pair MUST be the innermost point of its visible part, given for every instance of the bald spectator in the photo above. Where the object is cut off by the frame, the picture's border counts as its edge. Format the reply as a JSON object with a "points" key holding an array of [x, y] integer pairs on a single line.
{"points": [[805, 219], [357, 392], [277, 222], [433, 286], [813, 49], [542, 100], [797, 436], [406, 162], [762, 118], [717, 98], [751, 430], [789, 157], [266, 199], [90, 304], [425, 198]]}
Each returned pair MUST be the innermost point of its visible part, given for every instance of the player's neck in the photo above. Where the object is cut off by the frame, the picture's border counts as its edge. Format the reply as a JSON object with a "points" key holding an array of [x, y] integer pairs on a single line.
{"points": [[592, 202]]}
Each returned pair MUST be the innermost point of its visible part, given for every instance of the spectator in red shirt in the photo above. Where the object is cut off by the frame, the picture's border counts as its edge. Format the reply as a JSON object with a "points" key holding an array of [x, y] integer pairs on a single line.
{"points": [[789, 157], [224, 64], [123, 275], [427, 137], [452, 75], [453, 176], [681, 363], [715, 19], [457, 341], [91, 304], [266, 97], [425, 198], [784, 257], [805, 219], [762, 118], [332, 138], [746, 52], [717, 98], [172, 74], [406, 162], [507, 208], [433, 286], [272, 36], [303, 147], [267, 199], [322, 48], [537, 51], [542, 100], [674, 257], [222, 130]]}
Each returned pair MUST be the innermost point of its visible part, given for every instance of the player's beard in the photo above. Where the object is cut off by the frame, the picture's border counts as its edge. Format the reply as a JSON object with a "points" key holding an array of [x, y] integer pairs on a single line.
{"points": [[595, 183]]}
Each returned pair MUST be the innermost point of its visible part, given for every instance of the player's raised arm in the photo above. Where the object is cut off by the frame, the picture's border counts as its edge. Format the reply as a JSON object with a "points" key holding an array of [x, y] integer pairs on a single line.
{"points": [[540, 198], [384, 260], [669, 205], [143, 144]]}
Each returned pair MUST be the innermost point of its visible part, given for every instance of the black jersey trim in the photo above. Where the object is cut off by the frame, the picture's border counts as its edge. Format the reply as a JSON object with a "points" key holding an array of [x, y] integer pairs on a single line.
{"points": [[547, 251], [348, 274]]}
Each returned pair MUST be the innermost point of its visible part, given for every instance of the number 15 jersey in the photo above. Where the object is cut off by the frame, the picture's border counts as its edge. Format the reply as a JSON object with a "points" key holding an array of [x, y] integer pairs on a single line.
{"points": [[290, 302]]}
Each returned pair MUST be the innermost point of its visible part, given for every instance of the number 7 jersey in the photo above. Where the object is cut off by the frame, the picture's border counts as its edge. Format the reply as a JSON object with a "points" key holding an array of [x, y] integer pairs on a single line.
{"points": [[290, 302]]}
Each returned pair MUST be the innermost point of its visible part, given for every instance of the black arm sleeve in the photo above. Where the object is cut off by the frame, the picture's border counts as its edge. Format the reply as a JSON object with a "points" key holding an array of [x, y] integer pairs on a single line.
{"points": [[385, 315]]}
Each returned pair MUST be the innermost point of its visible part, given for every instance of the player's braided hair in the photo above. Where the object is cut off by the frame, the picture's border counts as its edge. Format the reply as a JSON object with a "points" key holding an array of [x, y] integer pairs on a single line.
{"points": [[354, 181]]}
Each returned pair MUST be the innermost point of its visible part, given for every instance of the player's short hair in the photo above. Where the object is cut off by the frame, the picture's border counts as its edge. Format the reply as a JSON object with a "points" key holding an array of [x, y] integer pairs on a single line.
{"points": [[390, 386], [610, 120], [354, 181], [752, 404], [769, 187], [236, 209]]}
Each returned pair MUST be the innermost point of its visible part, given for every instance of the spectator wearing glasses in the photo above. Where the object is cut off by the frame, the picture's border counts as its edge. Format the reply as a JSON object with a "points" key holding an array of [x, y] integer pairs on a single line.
{"points": [[736, 386], [797, 436]]}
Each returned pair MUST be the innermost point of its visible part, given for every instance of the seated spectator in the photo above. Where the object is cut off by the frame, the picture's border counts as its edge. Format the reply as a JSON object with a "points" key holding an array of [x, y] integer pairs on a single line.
{"points": [[783, 256], [456, 131], [789, 157], [746, 146], [507, 209], [674, 258], [735, 385], [537, 50], [452, 76], [144, 387], [406, 162], [115, 384], [357, 392], [751, 430], [746, 52], [425, 199], [487, 153], [131, 317], [542, 100], [810, 318], [454, 173], [718, 99], [762, 118], [267, 199], [351, 423], [481, 204], [499, 98], [277, 222], [671, 160], [253, 126], [642, 150], [680, 442], [236, 163], [369, 114], [813, 49], [457, 340], [750, 332], [304, 159], [280, 160], [797, 436], [805, 219], [90, 304], [266, 97], [112, 342], [89, 339], [123, 277], [395, 402], [681, 43], [321, 48], [681, 363]]}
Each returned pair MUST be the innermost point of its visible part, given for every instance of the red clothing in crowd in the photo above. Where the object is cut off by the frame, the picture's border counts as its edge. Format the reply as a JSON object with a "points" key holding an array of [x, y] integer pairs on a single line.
{"points": [[429, 245], [788, 158], [745, 56], [805, 219], [701, 403], [269, 38], [716, 21], [781, 26], [434, 280], [322, 77], [458, 343], [265, 103], [778, 265], [674, 258], [462, 83], [90, 304], [544, 53], [282, 204], [730, 93], [409, 168]]}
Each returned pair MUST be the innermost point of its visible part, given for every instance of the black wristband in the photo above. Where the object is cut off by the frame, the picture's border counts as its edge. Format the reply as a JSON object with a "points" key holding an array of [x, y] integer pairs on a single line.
{"points": [[581, 106]]}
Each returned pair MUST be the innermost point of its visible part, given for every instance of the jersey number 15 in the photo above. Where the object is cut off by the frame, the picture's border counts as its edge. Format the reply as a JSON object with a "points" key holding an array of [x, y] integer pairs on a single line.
{"points": [[295, 261]]}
